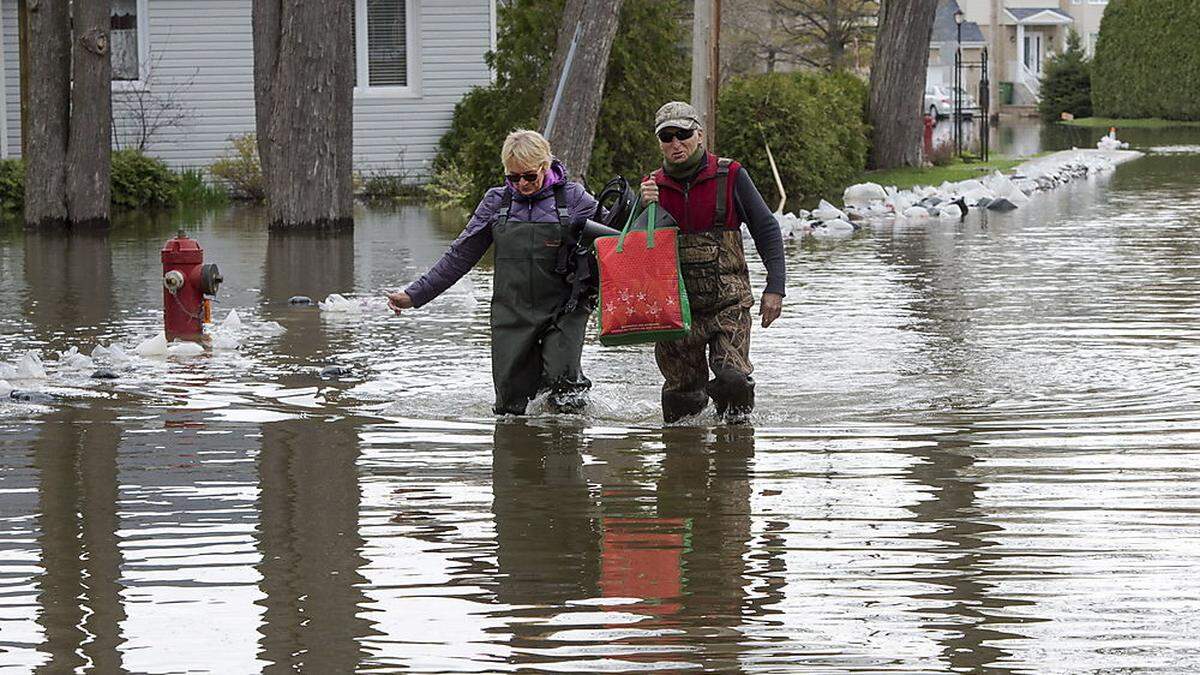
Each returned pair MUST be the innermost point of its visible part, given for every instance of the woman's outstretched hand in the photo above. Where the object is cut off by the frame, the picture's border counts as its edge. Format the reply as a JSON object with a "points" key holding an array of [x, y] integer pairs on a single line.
{"points": [[399, 301]]}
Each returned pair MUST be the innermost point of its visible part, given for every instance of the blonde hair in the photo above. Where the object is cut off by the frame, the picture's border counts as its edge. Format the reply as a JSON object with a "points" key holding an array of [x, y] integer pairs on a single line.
{"points": [[525, 147]]}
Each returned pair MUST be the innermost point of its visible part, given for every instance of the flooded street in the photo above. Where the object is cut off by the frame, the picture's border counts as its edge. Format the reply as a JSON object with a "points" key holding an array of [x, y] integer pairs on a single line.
{"points": [[977, 448]]}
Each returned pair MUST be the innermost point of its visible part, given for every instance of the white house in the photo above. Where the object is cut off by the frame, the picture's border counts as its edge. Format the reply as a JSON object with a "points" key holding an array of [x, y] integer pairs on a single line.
{"points": [[943, 42], [1022, 34], [194, 58]]}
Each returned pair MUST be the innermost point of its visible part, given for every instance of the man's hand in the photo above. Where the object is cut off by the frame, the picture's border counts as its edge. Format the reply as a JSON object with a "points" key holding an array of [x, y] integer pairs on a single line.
{"points": [[649, 191], [770, 307], [400, 300]]}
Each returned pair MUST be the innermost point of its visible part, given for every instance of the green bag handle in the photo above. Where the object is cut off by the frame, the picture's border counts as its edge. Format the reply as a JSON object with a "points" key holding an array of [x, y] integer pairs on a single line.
{"points": [[653, 210]]}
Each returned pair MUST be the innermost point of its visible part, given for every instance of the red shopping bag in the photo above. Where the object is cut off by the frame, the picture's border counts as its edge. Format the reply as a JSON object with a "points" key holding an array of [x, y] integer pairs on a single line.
{"points": [[642, 297]]}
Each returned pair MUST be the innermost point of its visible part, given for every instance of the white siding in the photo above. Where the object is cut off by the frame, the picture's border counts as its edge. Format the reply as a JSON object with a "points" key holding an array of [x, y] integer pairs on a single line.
{"points": [[202, 50]]}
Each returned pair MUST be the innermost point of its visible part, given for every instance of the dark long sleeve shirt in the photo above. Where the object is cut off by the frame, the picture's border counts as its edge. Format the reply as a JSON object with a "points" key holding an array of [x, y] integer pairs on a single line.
{"points": [[764, 230]]}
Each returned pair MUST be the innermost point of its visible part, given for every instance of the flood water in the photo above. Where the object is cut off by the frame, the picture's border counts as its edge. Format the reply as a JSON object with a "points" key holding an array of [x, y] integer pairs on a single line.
{"points": [[977, 448]]}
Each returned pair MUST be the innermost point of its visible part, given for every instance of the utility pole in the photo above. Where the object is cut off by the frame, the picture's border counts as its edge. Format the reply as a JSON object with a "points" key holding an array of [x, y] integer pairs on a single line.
{"points": [[706, 64], [997, 53]]}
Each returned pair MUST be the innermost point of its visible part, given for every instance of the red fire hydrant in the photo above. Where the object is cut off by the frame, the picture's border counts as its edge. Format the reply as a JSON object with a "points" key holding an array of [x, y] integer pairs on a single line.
{"points": [[929, 122], [188, 288]]}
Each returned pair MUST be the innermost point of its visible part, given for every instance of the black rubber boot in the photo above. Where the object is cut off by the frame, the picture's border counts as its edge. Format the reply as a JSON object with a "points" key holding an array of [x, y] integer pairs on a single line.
{"points": [[677, 405], [569, 395], [733, 396]]}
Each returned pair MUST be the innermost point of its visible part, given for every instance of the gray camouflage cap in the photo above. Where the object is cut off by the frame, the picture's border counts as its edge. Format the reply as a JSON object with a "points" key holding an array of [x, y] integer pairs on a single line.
{"points": [[677, 114]]}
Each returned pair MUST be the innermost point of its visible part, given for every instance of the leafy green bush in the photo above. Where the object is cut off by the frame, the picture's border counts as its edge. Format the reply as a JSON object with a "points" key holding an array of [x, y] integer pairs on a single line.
{"points": [[1067, 83], [139, 181], [240, 170], [195, 189], [646, 68], [12, 185], [384, 186], [1147, 60], [813, 122]]}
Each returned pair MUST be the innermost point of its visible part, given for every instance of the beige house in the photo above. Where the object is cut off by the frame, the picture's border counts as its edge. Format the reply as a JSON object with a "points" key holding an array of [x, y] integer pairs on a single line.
{"points": [[1022, 34]]}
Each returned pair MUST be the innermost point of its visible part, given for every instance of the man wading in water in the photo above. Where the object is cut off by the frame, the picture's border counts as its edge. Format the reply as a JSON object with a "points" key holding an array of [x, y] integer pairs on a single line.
{"points": [[710, 198], [540, 305]]}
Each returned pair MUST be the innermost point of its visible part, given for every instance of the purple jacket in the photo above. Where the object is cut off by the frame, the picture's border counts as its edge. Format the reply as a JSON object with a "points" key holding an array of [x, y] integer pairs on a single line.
{"points": [[477, 237]]}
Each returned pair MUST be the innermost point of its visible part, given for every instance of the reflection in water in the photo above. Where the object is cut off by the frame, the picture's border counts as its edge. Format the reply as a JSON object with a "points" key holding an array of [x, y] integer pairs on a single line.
{"points": [[968, 607], [975, 450], [314, 264], [310, 544], [69, 279], [547, 538], [75, 455]]}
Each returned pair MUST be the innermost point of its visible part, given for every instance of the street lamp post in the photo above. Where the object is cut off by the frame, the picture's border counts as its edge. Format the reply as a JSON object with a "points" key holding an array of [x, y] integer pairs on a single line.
{"points": [[958, 22]]}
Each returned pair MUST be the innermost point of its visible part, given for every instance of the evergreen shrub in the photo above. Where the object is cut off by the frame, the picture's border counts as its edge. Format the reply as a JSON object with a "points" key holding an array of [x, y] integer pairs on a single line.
{"points": [[1147, 61], [139, 181], [813, 122], [647, 67], [1067, 83]]}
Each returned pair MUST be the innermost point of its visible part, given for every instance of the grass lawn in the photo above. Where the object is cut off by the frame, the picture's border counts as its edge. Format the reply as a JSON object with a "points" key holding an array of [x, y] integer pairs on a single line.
{"points": [[935, 175], [1148, 123]]}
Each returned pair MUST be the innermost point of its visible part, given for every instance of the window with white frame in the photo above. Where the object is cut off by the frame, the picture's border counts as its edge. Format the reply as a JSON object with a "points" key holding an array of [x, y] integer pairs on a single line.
{"points": [[382, 42], [126, 40]]}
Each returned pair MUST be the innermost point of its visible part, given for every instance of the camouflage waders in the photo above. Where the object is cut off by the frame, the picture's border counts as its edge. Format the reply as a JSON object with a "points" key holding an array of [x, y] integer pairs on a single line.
{"points": [[536, 345], [714, 270]]}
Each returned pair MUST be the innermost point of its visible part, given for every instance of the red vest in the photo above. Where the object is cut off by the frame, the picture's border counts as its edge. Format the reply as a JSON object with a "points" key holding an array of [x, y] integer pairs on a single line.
{"points": [[694, 207]]}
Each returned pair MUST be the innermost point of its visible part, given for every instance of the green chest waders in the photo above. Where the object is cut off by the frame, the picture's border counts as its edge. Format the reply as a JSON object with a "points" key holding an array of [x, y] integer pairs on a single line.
{"points": [[536, 345]]}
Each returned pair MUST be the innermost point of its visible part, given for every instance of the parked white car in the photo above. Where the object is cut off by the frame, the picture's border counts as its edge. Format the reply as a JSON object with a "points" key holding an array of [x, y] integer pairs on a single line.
{"points": [[939, 101]]}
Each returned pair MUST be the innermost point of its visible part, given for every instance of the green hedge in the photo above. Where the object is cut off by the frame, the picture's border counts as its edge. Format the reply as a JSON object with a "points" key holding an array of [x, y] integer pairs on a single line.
{"points": [[1147, 60], [814, 123], [140, 181], [12, 185], [647, 67]]}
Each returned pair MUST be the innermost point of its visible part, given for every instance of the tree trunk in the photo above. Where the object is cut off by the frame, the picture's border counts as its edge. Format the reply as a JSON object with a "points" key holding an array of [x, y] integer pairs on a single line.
{"points": [[265, 29], [571, 106], [897, 82], [89, 155], [304, 89], [48, 100]]}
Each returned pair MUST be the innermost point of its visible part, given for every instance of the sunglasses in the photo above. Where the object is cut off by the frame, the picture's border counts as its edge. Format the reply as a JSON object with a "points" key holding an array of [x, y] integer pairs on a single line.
{"points": [[666, 135], [516, 178]]}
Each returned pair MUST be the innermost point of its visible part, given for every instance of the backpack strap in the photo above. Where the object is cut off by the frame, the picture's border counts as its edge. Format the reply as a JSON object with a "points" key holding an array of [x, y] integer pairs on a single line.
{"points": [[505, 205], [722, 202], [564, 229], [560, 206]]}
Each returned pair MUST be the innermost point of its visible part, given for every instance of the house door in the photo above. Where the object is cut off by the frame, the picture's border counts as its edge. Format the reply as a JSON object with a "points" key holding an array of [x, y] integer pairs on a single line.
{"points": [[1033, 52]]}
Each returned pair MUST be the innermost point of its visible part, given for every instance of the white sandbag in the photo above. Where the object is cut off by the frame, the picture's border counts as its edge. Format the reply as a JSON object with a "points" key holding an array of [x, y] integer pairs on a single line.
{"points": [[232, 321], [862, 194], [338, 304], [73, 360], [826, 212], [833, 229], [154, 346], [969, 185], [185, 349], [5, 389], [29, 367], [916, 213], [225, 343]]}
